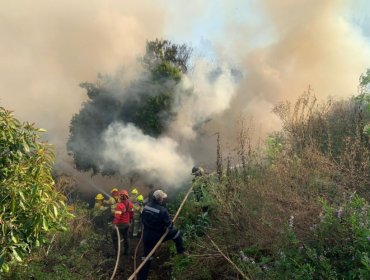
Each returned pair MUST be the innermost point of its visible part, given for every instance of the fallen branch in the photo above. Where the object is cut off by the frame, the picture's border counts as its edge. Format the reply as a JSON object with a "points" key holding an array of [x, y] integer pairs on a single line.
{"points": [[228, 259]]}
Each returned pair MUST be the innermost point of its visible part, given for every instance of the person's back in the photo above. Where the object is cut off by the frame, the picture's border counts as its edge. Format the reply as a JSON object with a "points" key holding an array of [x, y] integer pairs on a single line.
{"points": [[155, 219], [126, 208], [122, 216]]}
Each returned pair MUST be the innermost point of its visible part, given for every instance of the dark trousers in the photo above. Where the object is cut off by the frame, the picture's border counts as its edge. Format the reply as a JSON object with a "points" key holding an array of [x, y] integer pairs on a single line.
{"points": [[123, 232], [150, 239]]}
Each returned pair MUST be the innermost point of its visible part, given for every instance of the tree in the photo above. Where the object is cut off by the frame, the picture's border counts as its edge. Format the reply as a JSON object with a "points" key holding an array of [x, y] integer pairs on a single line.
{"points": [[30, 207], [147, 103]]}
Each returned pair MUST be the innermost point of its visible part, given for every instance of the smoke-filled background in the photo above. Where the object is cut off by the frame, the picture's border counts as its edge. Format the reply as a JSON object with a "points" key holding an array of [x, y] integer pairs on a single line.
{"points": [[248, 55]]}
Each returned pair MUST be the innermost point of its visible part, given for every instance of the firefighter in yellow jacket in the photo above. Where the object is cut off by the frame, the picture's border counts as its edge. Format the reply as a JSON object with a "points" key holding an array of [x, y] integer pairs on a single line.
{"points": [[137, 200], [113, 200], [99, 204]]}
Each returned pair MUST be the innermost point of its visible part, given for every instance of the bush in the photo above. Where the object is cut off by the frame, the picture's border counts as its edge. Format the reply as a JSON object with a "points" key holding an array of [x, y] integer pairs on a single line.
{"points": [[30, 207], [339, 246], [78, 253]]}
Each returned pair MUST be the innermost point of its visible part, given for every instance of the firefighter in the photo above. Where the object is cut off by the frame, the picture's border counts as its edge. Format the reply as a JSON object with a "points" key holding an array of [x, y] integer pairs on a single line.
{"points": [[99, 204], [138, 208], [99, 212], [113, 200], [123, 214], [135, 224], [155, 219], [134, 192], [199, 183]]}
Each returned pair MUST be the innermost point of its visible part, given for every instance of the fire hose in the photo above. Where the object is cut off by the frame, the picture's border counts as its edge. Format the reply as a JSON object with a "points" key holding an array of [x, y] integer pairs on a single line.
{"points": [[133, 275], [118, 252]]}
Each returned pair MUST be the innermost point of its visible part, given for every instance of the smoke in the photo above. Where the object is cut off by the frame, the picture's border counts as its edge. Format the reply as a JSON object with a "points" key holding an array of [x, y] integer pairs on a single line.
{"points": [[106, 134], [49, 47], [157, 160], [210, 90], [293, 46], [280, 47]]}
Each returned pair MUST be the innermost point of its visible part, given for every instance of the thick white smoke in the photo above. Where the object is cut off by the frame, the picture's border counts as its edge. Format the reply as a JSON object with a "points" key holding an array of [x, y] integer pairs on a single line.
{"points": [[210, 93], [282, 47], [157, 160], [201, 95]]}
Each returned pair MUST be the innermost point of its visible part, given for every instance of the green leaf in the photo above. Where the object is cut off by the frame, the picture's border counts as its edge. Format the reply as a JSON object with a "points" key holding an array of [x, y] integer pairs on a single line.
{"points": [[22, 195], [14, 239], [5, 267], [21, 204], [26, 147], [16, 256], [44, 224], [55, 211]]}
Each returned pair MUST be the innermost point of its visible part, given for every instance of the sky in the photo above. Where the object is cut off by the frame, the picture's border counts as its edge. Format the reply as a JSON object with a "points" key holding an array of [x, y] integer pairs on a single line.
{"points": [[279, 47]]}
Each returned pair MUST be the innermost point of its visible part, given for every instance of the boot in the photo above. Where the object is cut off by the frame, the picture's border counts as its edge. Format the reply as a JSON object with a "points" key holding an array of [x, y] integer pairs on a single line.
{"points": [[179, 245]]}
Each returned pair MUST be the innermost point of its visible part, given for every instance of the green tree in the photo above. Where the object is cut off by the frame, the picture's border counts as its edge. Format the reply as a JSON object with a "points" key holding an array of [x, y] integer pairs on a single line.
{"points": [[30, 207], [147, 103]]}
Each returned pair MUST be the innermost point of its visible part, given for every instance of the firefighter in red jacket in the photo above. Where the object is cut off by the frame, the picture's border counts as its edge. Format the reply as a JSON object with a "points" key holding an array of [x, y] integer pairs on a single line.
{"points": [[123, 215]]}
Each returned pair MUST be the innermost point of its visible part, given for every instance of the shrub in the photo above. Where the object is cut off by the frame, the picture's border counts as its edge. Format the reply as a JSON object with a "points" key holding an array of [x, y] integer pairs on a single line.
{"points": [[30, 207], [339, 246]]}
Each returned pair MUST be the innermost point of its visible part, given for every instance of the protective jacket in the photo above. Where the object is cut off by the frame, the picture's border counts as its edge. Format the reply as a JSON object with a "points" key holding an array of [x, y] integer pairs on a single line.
{"points": [[123, 212], [112, 201], [155, 219]]}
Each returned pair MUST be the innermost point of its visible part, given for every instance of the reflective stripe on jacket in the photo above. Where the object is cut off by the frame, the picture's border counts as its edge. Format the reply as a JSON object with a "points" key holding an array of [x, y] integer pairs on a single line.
{"points": [[155, 218]]}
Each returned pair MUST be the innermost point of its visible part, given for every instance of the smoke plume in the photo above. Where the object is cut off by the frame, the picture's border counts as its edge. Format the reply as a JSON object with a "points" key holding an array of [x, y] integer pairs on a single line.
{"points": [[280, 47], [157, 160]]}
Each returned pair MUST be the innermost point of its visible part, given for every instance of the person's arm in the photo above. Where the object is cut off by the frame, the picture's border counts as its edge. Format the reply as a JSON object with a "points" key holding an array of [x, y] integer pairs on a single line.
{"points": [[167, 221], [120, 208]]}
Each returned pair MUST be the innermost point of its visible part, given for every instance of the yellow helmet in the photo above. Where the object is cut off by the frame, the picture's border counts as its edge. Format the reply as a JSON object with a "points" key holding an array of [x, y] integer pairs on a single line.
{"points": [[134, 191], [99, 196], [114, 190], [140, 198]]}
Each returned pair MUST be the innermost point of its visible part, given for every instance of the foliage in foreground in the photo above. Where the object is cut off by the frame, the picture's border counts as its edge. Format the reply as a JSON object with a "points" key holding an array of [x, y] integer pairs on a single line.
{"points": [[30, 207], [78, 253], [338, 247]]}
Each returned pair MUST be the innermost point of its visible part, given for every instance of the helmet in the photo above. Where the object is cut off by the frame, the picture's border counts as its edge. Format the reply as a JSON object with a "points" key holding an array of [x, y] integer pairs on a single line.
{"points": [[114, 190], [123, 193], [194, 169], [134, 191], [198, 171], [140, 198], [99, 196]]}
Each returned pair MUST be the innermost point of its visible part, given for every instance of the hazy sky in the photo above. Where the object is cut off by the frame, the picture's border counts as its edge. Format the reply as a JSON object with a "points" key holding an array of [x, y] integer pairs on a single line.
{"points": [[281, 47]]}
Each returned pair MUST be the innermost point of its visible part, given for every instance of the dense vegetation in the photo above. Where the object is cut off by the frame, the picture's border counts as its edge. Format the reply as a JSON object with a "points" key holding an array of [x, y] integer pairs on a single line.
{"points": [[30, 207], [290, 209], [296, 207]]}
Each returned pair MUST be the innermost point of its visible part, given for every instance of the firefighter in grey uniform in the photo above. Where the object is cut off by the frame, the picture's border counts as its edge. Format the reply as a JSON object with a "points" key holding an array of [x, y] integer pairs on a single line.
{"points": [[155, 220]]}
